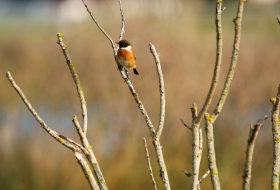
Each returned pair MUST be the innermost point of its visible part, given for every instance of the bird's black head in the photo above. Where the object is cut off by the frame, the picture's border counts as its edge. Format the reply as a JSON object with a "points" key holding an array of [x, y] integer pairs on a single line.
{"points": [[124, 44]]}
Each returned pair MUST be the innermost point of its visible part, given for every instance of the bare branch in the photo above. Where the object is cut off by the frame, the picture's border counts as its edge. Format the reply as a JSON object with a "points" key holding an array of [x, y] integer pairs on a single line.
{"points": [[149, 165], [212, 165], [158, 149], [276, 140], [197, 133], [237, 22], [204, 176], [73, 142], [122, 72], [196, 156], [254, 130], [142, 108], [123, 21], [98, 25], [210, 119], [162, 167], [185, 124], [197, 119], [76, 79], [161, 90], [187, 173], [90, 156], [69, 143], [86, 169], [54, 134], [82, 134], [218, 62], [113, 44], [200, 141]]}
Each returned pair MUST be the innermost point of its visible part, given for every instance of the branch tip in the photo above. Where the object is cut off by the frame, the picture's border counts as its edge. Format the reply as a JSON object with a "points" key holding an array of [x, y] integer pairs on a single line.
{"points": [[60, 35], [185, 124], [278, 19], [187, 173]]}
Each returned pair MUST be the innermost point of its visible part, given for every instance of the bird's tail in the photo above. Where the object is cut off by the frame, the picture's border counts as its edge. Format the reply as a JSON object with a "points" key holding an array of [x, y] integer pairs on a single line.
{"points": [[135, 71]]}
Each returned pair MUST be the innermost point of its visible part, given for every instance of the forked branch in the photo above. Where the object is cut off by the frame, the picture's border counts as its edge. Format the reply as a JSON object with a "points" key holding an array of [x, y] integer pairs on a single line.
{"points": [[254, 131], [210, 118], [123, 21], [154, 134], [197, 118], [219, 46], [79, 150], [82, 133], [237, 36]]}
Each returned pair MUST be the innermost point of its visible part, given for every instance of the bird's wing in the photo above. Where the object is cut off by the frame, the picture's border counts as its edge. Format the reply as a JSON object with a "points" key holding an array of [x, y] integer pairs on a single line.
{"points": [[134, 55]]}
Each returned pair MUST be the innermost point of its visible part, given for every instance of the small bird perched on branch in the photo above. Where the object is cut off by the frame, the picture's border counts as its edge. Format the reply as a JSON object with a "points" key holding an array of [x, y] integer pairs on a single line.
{"points": [[126, 56]]}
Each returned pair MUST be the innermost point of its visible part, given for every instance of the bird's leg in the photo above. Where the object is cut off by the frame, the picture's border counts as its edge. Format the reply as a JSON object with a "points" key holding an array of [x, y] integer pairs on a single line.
{"points": [[120, 67]]}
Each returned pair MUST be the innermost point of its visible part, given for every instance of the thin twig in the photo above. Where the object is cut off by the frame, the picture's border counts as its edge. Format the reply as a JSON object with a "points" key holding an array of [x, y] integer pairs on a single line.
{"points": [[69, 143], [161, 90], [76, 79], [80, 132], [141, 108], [254, 130], [98, 25], [113, 44], [237, 22], [123, 21], [185, 124], [156, 143], [218, 62], [51, 132], [276, 140], [204, 176], [149, 165], [187, 173]]}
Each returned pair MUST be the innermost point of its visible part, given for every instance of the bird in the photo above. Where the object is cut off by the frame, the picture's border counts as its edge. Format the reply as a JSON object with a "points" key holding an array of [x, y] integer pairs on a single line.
{"points": [[126, 56]]}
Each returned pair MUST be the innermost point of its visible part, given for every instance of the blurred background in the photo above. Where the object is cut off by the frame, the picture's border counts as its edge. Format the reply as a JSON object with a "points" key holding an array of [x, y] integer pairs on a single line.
{"points": [[183, 33]]}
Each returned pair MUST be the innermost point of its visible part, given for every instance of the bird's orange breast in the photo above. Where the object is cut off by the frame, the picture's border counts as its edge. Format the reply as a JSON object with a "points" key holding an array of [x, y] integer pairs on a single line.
{"points": [[126, 58]]}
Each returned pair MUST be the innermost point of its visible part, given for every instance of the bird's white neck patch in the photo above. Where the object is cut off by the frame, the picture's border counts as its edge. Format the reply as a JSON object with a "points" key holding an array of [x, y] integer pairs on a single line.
{"points": [[127, 48]]}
